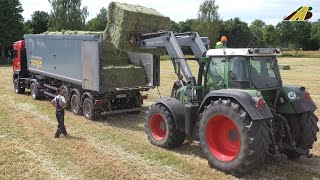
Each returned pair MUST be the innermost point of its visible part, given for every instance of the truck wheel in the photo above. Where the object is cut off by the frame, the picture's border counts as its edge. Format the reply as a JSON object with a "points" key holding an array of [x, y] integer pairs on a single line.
{"points": [[161, 128], [230, 140], [304, 130], [17, 88], [89, 111], [34, 91], [75, 105]]}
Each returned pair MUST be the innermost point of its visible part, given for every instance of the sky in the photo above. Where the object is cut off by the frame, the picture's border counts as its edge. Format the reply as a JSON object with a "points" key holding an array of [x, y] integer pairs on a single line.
{"points": [[270, 11]]}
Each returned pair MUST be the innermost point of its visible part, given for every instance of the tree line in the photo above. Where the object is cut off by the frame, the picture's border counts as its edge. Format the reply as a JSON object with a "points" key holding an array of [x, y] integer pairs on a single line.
{"points": [[71, 15], [286, 34]]}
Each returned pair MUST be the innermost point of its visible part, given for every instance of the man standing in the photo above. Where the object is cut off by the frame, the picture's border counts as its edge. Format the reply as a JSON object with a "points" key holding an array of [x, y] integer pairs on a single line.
{"points": [[60, 103], [177, 85]]}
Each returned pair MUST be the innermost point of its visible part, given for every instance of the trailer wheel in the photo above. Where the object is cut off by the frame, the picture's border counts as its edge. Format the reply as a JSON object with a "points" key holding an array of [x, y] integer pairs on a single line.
{"points": [[75, 105], [230, 140], [17, 88], [161, 128], [89, 111], [34, 91], [304, 130]]}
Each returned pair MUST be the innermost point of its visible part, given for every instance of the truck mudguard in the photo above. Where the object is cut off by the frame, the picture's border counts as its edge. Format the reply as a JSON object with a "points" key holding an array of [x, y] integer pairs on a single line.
{"points": [[243, 98], [176, 108]]}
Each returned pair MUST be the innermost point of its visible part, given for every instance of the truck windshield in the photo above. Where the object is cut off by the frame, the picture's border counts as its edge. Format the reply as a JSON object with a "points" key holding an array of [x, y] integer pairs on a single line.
{"points": [[264, 72]]}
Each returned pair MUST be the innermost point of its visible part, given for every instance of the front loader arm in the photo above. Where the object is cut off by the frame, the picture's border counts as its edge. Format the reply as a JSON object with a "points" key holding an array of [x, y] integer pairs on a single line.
{"points": [[168, 41]]}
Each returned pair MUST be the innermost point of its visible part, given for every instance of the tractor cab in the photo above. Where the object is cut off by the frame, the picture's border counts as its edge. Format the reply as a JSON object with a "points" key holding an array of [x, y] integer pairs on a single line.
{"points": [[242, 69]]}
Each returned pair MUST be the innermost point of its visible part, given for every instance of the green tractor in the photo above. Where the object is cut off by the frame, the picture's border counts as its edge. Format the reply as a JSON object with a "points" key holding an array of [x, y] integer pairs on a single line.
{"points": [[238, 108]]}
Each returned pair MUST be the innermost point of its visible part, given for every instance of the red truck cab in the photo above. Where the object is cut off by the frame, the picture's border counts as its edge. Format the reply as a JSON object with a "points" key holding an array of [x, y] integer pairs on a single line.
{"points": [[19, 65], [17, 54]]}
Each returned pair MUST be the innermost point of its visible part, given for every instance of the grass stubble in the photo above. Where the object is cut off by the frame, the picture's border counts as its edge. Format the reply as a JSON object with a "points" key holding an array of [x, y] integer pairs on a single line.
{"points": [[116, 147]]}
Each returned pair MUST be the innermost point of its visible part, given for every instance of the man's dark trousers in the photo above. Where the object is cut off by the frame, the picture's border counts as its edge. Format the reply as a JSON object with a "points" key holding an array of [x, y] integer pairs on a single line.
{"points": [[60, 118]]}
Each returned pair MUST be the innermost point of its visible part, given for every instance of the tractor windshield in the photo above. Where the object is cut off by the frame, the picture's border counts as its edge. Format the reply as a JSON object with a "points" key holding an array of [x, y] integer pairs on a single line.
{"points": [[264, 72]]}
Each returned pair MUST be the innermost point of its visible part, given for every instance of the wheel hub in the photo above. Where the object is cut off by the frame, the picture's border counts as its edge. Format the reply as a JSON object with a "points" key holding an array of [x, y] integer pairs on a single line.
{"points": [[223, 138], [158, 127]]}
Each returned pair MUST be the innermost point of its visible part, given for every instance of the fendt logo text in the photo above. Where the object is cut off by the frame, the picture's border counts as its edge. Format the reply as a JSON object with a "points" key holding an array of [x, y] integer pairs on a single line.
{"points": [[302, 14]]}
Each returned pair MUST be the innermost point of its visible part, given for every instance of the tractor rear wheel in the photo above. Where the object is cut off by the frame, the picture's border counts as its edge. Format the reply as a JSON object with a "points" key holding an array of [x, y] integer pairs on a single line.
{"points": [[231, 141], [304, 130], [161, 128]]}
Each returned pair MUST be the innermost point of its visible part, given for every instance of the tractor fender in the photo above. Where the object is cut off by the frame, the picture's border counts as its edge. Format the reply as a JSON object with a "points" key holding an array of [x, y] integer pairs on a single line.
{"points": [[176, 108], [243, 98], [295, 100]]}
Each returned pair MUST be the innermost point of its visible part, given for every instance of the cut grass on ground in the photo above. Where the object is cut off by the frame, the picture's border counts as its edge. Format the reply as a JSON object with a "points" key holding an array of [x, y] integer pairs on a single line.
{"points": [[116, 147]]}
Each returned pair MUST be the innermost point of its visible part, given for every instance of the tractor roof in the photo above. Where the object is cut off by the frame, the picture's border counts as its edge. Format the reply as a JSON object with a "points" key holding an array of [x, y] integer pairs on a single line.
{"points": [[245, 52]]}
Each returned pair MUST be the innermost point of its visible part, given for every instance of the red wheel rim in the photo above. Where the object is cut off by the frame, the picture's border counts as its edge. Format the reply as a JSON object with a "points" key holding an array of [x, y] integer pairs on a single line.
{"points": [[158, 127], [223, 138]]}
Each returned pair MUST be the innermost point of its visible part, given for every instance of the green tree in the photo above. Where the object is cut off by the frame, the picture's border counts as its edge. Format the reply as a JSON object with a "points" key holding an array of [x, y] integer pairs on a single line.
{"points": [[285, 33], [208, 22], [67, 14], [99, 23], [237, 32], [315, 36], [256, 28], [28, 29], [11, 26], [270, 36], [174, 27], [39, 22]]}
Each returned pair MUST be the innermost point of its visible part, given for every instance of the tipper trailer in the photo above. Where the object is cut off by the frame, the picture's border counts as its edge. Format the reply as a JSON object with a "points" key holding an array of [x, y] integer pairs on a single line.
{"points": [[42, 63]]}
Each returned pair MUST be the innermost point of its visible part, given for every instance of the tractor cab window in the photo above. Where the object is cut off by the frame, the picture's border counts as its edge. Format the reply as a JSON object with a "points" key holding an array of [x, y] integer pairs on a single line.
{"points": [[264, 72], [215, 73], [239, 72]]}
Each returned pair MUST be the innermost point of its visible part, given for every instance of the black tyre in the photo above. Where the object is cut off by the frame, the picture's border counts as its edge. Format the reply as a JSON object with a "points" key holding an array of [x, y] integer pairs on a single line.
{"points": [[161, 128], [17, 88], [76, 105], [34, 91], [304, 130], [231, 141], [89, 110]]}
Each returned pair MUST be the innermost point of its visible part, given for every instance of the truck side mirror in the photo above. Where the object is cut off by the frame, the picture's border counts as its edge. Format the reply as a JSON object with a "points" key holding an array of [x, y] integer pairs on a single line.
{"points": [[9, 56]]}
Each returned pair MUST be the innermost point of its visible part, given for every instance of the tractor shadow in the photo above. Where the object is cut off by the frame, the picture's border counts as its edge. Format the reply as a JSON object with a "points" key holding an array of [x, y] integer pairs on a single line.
{"points": [[273, 168], [281, 168]]}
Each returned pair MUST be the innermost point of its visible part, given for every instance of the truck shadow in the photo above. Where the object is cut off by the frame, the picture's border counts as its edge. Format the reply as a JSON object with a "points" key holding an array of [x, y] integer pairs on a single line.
{"points": [[134, 122]]}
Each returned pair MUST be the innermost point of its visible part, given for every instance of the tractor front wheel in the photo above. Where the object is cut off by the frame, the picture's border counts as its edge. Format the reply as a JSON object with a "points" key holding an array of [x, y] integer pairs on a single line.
{"points": [[304, 130], [231, 141], [161, 128]]}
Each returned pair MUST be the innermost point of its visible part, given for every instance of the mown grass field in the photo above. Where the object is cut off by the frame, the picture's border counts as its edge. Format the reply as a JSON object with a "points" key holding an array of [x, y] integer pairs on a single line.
{"points": [[116, 147]]}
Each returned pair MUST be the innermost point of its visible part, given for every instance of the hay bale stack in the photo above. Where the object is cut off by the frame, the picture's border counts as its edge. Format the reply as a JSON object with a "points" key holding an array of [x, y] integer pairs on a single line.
{"points": [[124, 76], [68, 32], [125, 19]]}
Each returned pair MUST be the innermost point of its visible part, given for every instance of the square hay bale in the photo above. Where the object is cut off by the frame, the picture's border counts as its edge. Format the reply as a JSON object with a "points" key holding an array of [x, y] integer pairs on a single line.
{"points": [[125, 19], [284, 67], [123, 76]]}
